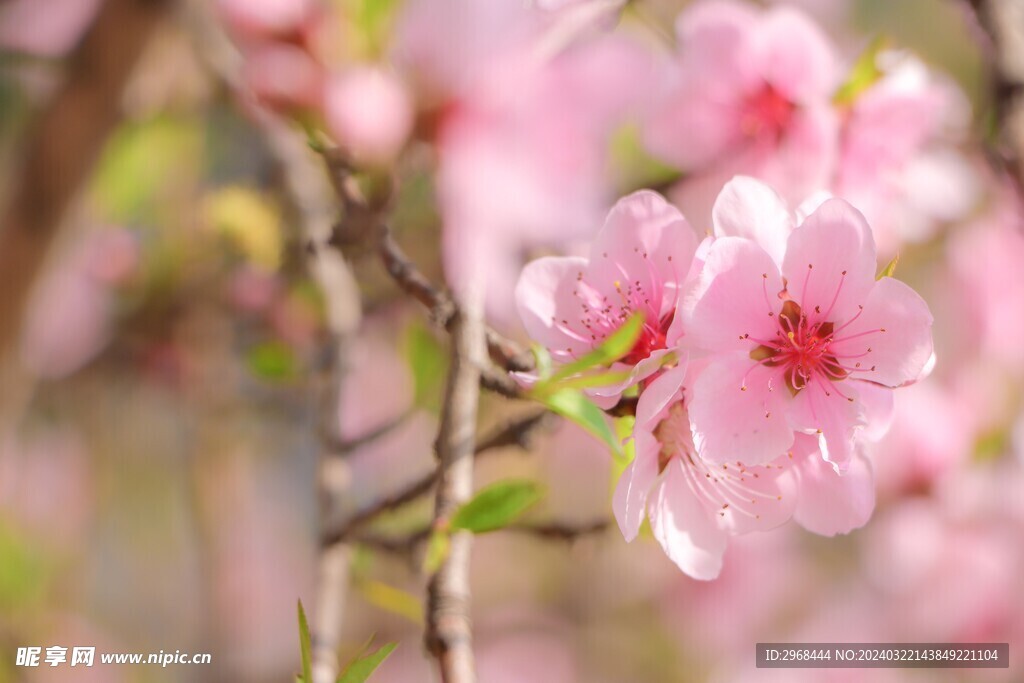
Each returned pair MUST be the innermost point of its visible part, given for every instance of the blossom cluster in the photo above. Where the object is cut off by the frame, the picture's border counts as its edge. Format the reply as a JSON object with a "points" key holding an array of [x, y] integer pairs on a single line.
{"points": [[768, 350], [518, 102], [766, 360]]}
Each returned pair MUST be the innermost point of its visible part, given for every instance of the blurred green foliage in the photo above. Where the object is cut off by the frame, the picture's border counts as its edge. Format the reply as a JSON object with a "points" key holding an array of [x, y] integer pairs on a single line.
{"points": [[497, 506], [428, 361]]}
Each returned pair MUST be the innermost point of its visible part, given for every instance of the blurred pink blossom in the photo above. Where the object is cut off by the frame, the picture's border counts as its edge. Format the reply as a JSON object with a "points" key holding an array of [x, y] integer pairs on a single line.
{"points": [[638, 264], [736, 609], [986, 258], [802, 337], [933, 433], [368, 112], [57, 463], [282, 75], [69, 319], [917, 552], [523, 101], [266, 18], [751, 94], [48, 28], [897, 163]]}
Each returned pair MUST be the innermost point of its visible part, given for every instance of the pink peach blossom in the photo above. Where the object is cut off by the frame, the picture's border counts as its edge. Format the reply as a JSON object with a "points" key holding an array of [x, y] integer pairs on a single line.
{"points": [[369, 113], [266, 18], [751, 94], [985, 260], [70, 319], [47, 29], [897, 162], [638, 264], [523, 102], [802, 337], [695, 505], [283, 76]]}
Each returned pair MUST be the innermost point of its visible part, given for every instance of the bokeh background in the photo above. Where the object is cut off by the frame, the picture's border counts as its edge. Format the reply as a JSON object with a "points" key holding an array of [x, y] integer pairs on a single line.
{"points": [[161, 469]]}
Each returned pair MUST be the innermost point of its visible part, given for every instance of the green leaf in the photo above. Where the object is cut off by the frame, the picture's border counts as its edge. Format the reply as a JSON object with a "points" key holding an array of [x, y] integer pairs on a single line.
{"points": [[142, 167], [305, 647], [622, 459], [598, 379], [391, 599], [428, 362], [889, 269], [615, 346], [360, 668], [273, 360], [633, 167], [864, 74], [369, 26], [573, 405], [618, 344], [496, 506], [437, 551], [992, 445], [23, 571]]}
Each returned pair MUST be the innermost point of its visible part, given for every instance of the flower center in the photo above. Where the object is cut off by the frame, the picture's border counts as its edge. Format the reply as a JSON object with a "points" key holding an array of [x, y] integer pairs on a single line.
{"points": [[802, 348], [767, 114], [603, 314], [804, 345]]}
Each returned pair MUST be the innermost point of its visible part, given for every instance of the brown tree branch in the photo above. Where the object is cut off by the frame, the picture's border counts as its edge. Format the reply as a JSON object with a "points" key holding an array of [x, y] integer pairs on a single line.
{"points": [[449, 632], [503, 351], [406, 546], [62, 146], [1004, 22], [518, 432], [344, 447]]}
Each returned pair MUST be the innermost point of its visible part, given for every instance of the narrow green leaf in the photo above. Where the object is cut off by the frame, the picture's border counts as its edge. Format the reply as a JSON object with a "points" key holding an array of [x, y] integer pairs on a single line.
{"points": [[428, 362], [359, 669], [305, 646], [369, 26], [437, 552], [889, 269], [864, 74], [617, 345], [573, 405], [391, 599], [621, 460], [496, 506], [598, 379]]}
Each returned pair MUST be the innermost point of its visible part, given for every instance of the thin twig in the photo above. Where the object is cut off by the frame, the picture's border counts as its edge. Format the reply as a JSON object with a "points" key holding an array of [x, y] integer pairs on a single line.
{"points": [[562, 531], [406, 546], [343, 447], [503, 351], [518, 432], [1004, 22]]}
